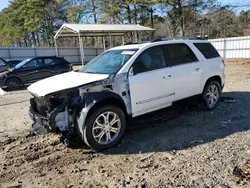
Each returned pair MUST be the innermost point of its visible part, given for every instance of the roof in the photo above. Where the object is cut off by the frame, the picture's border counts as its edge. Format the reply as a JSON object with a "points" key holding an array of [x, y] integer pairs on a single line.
{"points": [[149, 43], [74, 30], [131, 46]]}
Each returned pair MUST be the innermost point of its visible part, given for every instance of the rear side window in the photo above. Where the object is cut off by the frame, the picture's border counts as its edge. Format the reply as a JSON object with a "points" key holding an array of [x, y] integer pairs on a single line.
{"points": [[54, 61], [49, 61], [180, 54], [207, 49]]}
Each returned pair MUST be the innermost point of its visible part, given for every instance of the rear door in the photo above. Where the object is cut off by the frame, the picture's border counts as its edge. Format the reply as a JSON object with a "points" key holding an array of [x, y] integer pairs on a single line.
{"points": [[151, 82], [187, 70], [57, 65], [212, 62]]}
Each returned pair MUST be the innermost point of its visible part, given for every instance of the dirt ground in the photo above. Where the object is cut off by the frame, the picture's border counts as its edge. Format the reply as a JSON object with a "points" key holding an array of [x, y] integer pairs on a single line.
{"points": [[182, 146]]}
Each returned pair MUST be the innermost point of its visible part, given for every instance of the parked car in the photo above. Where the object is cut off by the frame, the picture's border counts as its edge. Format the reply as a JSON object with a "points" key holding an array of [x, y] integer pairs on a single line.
{"points": [[123, 82], [32, 70], [5, 65], [14, 61]]}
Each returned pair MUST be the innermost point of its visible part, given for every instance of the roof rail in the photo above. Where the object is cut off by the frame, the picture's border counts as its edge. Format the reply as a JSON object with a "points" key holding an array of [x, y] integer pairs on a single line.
{"points": [[128, 43], [177, 38]]}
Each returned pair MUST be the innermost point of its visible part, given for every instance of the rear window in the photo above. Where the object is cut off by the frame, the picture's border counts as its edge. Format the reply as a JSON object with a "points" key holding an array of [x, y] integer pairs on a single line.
{"points": [[207, 49]]}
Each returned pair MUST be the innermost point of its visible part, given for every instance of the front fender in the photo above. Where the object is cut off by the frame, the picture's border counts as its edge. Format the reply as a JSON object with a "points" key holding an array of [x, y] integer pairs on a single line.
{"points": [[89, 101]]}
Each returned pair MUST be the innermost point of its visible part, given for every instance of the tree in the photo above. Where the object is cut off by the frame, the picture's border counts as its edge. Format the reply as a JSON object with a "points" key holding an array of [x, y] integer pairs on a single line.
{"points": [[223, 23], [179, 12], [76, 10], [244, 20], [34, 22]]}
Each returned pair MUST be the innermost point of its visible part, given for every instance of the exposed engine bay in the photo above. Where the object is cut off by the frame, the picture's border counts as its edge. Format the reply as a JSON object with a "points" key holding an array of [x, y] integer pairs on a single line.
{"points": [[55, 112], [59, 111]]}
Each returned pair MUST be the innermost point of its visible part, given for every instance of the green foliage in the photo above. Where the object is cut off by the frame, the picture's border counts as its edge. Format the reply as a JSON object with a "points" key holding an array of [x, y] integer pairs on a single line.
{"points": [[34, 22]]}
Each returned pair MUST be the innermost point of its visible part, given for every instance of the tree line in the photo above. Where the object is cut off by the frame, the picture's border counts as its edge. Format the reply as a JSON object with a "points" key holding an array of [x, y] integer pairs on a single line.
{"points": [[34, 22]]}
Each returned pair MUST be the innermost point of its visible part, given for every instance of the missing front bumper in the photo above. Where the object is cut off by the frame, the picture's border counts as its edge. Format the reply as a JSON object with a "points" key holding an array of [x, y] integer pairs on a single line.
{"points": [[40, 121]]}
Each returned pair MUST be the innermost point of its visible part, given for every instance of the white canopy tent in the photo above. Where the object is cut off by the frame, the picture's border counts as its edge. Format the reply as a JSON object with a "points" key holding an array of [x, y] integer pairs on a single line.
{"points": [[97, 30]]}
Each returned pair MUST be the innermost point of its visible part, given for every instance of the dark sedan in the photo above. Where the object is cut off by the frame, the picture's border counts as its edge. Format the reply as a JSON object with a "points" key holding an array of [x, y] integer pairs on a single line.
{"points": [[32, 70]]}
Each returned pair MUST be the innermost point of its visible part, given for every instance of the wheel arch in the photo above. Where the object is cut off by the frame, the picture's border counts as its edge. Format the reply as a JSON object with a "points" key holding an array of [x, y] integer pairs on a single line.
{"points": [[107, 99], [13, 77], [93, 101], [213, 78]]}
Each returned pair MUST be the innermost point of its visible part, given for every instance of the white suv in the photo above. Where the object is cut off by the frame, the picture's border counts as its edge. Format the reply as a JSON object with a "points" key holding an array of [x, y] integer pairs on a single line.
{"points": [[126, 81]]}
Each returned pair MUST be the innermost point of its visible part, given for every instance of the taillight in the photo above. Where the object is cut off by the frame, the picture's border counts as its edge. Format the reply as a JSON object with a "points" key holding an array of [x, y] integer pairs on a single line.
{"points": [[71, 66]]}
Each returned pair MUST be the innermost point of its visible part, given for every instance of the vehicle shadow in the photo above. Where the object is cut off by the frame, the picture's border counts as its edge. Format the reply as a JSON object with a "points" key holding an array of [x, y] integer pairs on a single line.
{"points": [[183, 126], [22, 88]]}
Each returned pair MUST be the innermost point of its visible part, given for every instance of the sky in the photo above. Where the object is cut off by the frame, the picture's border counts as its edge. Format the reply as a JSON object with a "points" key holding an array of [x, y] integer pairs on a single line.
{"points": [[4, 3]]}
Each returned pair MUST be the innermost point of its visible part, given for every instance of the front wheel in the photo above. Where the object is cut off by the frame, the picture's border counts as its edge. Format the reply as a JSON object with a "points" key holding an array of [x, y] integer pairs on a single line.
{"points": [[104, 128], [211, 95], [13, 83]]}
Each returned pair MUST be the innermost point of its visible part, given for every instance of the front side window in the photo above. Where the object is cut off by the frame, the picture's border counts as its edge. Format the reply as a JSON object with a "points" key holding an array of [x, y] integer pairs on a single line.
{"points": [[180, 53], [21, 64], [33, 63], [109, 62], [151, 59]]}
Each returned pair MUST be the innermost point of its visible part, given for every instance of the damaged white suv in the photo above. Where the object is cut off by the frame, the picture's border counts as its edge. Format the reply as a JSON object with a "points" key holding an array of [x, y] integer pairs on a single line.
{"points": [[126, 81]]}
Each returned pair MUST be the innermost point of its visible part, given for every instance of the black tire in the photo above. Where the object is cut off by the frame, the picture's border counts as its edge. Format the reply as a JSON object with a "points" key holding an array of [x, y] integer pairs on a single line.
{"points": [[13, 83], [88, 128], [205, 95]]}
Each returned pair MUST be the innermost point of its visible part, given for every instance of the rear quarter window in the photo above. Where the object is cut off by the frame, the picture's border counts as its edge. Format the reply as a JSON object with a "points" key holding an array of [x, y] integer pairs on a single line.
{"points": [[61, 61], [207, 49]]}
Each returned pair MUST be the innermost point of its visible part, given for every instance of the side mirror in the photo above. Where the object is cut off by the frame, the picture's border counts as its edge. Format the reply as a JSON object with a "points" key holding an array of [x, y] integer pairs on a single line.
{"points": [[131, 71]]}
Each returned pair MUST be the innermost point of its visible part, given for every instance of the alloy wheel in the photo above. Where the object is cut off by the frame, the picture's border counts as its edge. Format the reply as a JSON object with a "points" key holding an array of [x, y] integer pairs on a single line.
{"points": [[106, 127], [212, 95]]}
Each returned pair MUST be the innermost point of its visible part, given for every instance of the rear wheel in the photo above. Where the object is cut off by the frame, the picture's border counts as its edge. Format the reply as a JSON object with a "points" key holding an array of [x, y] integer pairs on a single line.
{"points": [[211, 95], [13, 83], [104, 128]]}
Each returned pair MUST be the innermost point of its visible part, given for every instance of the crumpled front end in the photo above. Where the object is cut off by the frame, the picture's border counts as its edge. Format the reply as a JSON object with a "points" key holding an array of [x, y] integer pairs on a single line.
{"points": [[54, 113]]}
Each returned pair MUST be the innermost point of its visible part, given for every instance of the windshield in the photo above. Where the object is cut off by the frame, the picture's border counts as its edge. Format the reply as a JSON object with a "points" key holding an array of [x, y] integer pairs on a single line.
{"points": [[19, 65], [108, 62]]}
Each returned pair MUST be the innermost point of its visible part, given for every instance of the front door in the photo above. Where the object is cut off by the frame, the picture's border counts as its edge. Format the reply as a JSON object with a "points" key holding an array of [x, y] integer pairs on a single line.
{"points": [[151, 82], [30, 72]]}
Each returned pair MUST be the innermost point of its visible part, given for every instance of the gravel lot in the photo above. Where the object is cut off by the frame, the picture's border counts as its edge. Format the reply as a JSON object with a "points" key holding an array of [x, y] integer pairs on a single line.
{"points": [[182, 146]]}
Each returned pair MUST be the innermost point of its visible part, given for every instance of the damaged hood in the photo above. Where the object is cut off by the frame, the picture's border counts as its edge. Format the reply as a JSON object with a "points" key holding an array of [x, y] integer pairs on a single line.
{"points": [[63, 82]]}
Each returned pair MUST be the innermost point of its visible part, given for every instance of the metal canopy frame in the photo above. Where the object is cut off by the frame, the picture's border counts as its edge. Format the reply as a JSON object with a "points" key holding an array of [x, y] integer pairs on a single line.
{"points": [[97, 30]]}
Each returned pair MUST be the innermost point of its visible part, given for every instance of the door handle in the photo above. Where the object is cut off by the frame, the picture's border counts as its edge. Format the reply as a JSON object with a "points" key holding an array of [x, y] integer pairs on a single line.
{"points": [[197, 69], [168, 76]]}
